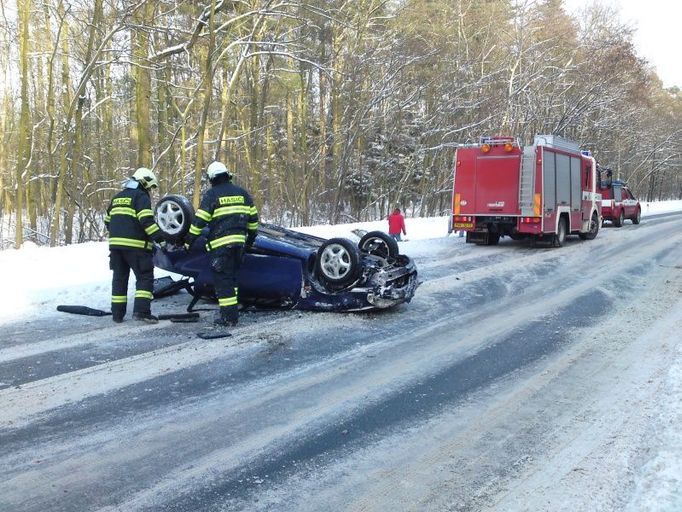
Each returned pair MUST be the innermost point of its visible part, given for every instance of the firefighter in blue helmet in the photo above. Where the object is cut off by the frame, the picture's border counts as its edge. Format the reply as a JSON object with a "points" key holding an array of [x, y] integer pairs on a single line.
{"points": [[132, 230], [232, 220]]}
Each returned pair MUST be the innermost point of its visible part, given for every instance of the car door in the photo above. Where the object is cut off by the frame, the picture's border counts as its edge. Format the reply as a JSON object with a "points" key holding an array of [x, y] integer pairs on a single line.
{"points": [[629, 203]]}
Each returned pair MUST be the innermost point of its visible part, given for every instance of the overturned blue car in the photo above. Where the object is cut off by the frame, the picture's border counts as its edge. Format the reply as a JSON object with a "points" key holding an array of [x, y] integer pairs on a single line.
{"points": [[288, 269]]}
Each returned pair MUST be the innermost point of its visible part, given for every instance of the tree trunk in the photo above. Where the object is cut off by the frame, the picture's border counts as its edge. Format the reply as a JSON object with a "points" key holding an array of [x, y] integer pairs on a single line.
{"points": [[165, 161], [24, 142], [63, 151], [143, 86], [81, 180], [208, 81]]}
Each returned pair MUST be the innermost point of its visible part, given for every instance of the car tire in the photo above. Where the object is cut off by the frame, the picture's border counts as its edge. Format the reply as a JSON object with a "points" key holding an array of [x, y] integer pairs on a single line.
{"points": [[594, 229], [618, 221], [379, 244], [174, 215], [560, 236], [337, 262], [638, 217]]}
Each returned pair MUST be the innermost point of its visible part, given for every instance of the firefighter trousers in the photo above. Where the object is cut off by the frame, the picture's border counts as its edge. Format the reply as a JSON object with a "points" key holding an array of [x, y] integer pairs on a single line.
{"points": [[225, 263], [122, 261]]}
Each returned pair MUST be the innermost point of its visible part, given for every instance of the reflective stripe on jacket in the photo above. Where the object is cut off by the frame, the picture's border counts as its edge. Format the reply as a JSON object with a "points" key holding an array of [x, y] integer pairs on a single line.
{"points": [[230, 214], [130, 220]]}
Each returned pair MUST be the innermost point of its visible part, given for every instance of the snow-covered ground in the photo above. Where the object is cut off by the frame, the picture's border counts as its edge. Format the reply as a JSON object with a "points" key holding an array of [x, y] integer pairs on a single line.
{"points": [[36, 279]]}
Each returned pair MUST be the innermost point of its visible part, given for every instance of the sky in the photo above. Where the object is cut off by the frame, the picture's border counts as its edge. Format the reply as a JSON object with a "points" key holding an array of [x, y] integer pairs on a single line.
{"points": [[658, 37]]}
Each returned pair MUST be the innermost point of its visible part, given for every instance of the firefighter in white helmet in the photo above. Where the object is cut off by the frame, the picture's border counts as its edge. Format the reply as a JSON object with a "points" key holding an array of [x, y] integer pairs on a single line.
{"points": [[132, 229], [232, 219]]}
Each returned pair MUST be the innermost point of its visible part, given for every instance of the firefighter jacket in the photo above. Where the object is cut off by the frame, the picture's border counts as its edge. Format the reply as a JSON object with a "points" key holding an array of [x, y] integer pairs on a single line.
{"points": [[230, 214], [130, 221]]}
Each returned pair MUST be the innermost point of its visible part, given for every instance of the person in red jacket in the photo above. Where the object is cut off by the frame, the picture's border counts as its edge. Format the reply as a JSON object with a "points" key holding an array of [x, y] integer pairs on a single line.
{"points": [[396, 224]]}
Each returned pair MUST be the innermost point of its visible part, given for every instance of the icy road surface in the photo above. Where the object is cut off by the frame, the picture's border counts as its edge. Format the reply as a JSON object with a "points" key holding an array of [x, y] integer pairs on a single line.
{"points": [[517, 379]]}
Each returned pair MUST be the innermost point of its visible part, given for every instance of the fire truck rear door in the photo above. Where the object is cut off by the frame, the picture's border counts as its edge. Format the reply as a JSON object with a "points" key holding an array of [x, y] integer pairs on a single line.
{"points": [[497, 184]]}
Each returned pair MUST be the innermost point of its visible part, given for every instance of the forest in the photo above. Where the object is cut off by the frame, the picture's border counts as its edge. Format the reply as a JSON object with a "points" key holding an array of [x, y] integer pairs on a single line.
{"points": [[327, 111]]}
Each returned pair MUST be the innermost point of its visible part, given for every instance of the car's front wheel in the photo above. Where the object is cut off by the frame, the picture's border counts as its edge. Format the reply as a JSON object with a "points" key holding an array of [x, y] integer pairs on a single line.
{"points": [[338, 262], [379, 244], [174, 216]]}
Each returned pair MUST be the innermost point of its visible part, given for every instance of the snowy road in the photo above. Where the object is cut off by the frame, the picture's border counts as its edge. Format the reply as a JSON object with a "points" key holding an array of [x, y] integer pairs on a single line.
{"points": [[517, 379]]}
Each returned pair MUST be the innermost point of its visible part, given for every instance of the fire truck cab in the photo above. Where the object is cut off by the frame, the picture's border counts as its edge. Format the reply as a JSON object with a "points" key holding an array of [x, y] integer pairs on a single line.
{"points": [[542, 192]]}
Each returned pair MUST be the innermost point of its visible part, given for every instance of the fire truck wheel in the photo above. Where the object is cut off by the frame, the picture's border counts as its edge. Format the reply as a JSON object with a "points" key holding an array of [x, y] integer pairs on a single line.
{"points": [[493, 238], [560, 236], [637, 217], [618, 221], [594, 229]]}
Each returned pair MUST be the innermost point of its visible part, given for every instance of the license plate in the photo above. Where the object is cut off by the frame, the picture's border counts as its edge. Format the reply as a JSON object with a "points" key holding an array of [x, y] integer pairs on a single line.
{"points": [[464, 225]]}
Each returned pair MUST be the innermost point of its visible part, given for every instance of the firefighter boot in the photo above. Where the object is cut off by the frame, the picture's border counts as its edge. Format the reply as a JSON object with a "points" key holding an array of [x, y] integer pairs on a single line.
{"points": [[227, 318], [146, 317], [118, 311]]}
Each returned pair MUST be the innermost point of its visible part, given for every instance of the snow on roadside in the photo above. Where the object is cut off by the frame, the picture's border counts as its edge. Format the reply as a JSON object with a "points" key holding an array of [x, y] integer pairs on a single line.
{"points": [[659, 486]]}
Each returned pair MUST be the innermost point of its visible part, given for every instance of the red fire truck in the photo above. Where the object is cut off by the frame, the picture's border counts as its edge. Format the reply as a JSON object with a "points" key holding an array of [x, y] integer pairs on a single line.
{"points": [[542, 192], [617, 200]]}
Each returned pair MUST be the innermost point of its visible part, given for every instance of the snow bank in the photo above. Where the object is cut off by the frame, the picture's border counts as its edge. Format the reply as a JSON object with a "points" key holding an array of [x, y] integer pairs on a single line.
{"points": [[659, 487]]}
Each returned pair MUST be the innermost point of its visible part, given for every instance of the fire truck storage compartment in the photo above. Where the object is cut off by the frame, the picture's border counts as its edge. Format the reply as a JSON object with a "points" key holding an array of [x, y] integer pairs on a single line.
{"points": [[561, 180]]}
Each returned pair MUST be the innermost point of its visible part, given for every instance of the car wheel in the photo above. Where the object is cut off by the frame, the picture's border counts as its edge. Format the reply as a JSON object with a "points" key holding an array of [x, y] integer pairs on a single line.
{"points": [[338, 262], [618, 221], [379, 244], [638, 217], [560, 236], [594, 229], [174, 216]]}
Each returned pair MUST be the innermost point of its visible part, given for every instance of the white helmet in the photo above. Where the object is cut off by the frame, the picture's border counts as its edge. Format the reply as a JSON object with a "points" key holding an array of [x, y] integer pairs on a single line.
{"points": [[215, 169], [145, 177]]}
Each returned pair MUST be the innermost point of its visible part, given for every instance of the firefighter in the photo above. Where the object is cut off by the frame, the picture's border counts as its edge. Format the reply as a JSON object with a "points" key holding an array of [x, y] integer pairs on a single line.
{"points": [[232, 221], [132, 231]]}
